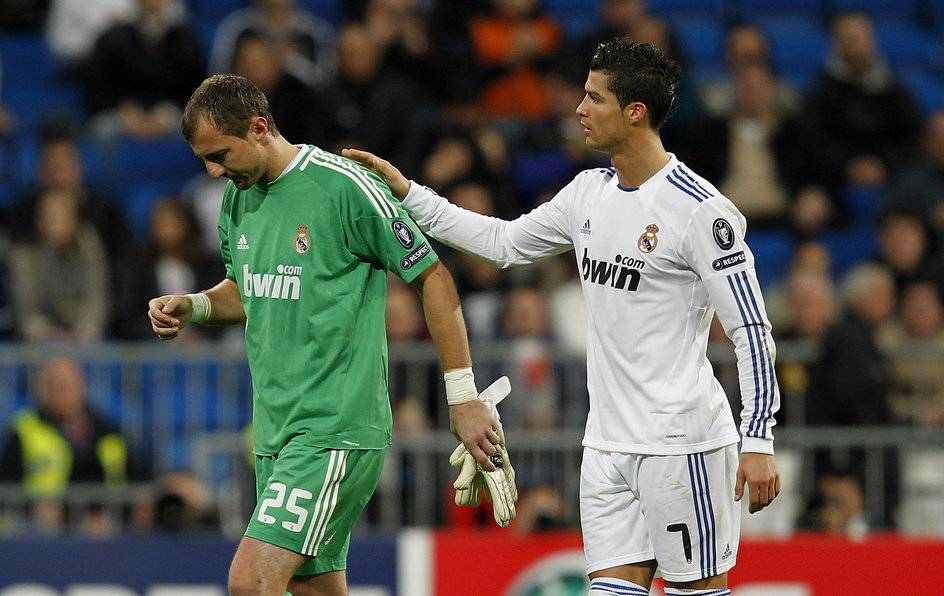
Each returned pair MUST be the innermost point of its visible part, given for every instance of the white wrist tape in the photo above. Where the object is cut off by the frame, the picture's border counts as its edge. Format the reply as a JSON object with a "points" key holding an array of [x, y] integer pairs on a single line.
{"points": [[460, 386], [201, 307]]}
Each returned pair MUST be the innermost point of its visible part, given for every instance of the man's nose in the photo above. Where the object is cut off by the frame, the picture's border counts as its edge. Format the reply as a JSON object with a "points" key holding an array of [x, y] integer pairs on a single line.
{"points": [[215, 170]]}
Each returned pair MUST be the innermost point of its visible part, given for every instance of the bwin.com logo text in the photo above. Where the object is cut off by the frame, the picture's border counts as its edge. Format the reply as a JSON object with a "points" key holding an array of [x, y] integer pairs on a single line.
{"points": [[623, 274]]}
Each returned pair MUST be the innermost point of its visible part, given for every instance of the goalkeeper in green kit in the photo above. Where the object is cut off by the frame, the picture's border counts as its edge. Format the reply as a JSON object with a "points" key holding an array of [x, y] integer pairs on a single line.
{"points": [[307, 238]]}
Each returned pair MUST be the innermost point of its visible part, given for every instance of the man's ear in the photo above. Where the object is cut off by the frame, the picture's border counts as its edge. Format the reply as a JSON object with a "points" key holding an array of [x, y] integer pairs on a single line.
{"points": [[259, 128], [635, 111]]}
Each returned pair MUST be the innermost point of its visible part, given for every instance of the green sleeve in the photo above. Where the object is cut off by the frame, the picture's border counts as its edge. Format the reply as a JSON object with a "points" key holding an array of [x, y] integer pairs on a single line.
{"points": [[222, 228], [392, 240]]}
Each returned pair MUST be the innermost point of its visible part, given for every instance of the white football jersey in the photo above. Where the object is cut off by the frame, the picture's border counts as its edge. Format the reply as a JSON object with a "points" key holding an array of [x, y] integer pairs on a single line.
{"points": [[656, 262]]}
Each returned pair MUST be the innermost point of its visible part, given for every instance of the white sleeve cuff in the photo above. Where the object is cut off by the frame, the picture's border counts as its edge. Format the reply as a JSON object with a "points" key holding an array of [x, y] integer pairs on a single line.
{"points": [[755, 445]]}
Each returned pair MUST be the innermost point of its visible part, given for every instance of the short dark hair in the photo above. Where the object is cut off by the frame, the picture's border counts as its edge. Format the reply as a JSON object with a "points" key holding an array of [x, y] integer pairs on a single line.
{"points": [[639, 72], [228, 102]]}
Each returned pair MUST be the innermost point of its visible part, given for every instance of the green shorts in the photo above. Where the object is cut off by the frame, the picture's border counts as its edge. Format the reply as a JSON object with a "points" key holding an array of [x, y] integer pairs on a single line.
{"points": [[309, 498]]}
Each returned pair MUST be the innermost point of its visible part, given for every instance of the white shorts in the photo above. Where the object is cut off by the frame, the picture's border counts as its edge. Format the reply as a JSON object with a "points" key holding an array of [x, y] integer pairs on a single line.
{"points": [[676, 509]]}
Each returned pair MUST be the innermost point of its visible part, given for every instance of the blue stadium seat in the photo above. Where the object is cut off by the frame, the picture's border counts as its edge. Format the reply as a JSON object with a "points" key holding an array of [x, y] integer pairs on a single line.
{"points": [[575, 17], [862, 204], [927, 88], [903, 11], [672, 10], [904, 44], [756, 11], [329, 10], [213, 11], [772, 253], [849, 247], [167, 162], [205, 16], [798, 49], [701, 41], [30, 87], [27, 156], [138, 201]]}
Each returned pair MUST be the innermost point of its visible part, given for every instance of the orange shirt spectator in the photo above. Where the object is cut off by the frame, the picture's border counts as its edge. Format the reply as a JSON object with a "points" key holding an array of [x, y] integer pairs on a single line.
{"points": [[510, 44]]}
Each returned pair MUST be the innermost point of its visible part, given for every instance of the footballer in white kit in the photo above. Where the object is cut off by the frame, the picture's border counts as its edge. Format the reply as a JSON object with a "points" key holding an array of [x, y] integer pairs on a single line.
{"points": [[657, 260]]}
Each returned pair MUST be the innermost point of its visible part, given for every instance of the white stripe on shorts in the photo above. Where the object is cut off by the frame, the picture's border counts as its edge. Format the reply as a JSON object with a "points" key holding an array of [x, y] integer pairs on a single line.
{"points": [[327, 500]]}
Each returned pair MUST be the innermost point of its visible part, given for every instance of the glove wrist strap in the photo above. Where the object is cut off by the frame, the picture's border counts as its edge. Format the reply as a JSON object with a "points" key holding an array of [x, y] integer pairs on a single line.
{"points": [[460, 386]]}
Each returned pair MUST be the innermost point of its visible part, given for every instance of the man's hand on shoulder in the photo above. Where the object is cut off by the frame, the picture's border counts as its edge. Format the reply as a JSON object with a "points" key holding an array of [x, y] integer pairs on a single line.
{"points": [[398, 183]]}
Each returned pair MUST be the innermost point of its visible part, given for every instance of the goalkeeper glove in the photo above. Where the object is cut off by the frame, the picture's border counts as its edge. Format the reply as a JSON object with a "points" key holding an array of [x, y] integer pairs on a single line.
{"points": [[498, 486]]}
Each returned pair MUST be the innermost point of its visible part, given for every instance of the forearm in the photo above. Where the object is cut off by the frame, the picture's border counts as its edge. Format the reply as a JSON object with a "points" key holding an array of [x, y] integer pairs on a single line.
{"points": [[501, 243], [226, 306], [444, 317]]}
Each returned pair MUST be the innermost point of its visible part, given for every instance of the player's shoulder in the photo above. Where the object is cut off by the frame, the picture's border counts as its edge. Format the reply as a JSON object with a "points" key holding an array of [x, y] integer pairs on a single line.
{"points": [[683, 186], [596, 176], [348, 183], [689, 194]]}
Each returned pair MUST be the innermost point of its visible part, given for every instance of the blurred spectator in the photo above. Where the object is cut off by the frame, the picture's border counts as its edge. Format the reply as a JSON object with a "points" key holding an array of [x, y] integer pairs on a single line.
{"points": [[204, 194], [7, 314], [401, 29], [74, 26], [915, 342], [618, 18], [453, 157], [755, 154], [481, 286], [525, 326], [746, 46], [409, 418], [303, 42], [511, 43], [141, 73], [687, 110], [170, 263], [184, 504], [812, 305], [554, 150], [457, 89], [408, 385], [838, 507], [23, 15], [920, 188], [7, 122], [540, 509], [60, 167], [567, 310], [59, 441], [60, 278], [806, 299], [861, 122], [849, 383], [291, 101], [906, 247], [366, 106], [404, 315]]}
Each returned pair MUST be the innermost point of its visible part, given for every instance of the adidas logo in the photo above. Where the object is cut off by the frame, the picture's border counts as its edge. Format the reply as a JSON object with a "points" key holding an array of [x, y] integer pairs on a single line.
{"points": [[586, 228], [243, 244], [727, 552]]}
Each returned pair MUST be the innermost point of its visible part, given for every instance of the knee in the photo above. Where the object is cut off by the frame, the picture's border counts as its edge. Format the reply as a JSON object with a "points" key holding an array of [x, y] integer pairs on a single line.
{"points": [[242, 582]]}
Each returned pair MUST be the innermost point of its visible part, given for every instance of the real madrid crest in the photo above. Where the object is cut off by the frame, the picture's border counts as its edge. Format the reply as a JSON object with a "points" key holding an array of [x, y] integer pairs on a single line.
{"points": [[302, 239], [648, 241]]}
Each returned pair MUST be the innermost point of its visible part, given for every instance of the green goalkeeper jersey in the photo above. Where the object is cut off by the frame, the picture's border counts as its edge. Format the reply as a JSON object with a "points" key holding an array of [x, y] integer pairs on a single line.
{"points": [[310, 253]]}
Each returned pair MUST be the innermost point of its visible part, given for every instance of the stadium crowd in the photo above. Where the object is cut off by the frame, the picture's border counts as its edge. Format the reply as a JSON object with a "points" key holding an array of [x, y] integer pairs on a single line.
{"points": [[825, 133]]}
